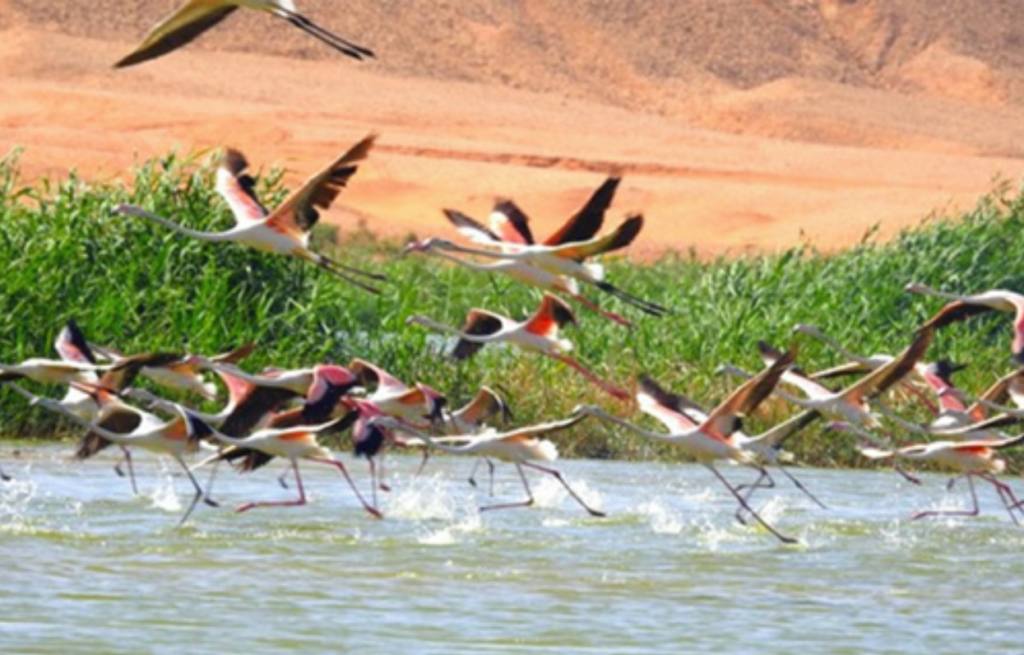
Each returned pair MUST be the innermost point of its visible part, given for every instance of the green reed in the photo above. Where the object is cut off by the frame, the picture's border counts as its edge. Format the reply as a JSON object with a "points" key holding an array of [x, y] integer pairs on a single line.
{"points": [[138, 286]]}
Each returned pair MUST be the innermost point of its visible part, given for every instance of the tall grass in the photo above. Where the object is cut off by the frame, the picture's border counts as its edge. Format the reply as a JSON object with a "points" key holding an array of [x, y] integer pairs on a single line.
{"points": [[137, 286]]}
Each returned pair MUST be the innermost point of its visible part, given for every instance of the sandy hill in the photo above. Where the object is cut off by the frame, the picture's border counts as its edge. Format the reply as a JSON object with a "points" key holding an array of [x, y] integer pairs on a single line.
{"points": [[737, 124]]}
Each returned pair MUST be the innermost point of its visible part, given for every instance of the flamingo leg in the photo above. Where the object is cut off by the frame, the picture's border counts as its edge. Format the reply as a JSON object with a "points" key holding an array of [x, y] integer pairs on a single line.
{"points": [[643, 305], [587, 373], [524, 503], [555, 473], [195, 485], [283, 478], [955, 512], [1006, 494], [207, 498], [373, 479], [127, 459], [301, 500], [906, 476], [743, 503], [336, 463], [490, 471], [800, 485], [384, 486], [768, 483], [423, 462], [594, 307]]}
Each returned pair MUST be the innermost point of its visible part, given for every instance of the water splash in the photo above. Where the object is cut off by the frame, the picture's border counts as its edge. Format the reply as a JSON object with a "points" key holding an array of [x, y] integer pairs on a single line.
{"points": [[661, 517]]}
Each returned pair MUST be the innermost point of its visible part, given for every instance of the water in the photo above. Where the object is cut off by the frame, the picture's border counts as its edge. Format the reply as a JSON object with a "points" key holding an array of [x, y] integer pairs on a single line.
{"points": [[89, 568]]}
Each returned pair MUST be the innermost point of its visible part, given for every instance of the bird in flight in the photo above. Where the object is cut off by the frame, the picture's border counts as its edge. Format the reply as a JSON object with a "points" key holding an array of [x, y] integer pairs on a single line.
{"points": [[197, 16], [286, 230]]}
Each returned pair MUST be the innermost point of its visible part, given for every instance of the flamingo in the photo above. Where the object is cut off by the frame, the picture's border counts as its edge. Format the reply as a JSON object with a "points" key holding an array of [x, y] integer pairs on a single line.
{"points": [[523, 447], [394, 397], [561, 259], [859, 364], [174, 438], [185, 375], [253, 400], [293, 443], [510, 225], [850, 403], [197, 16], [538, 333], [961, 307], [713, 438], [970, 459], [766, 447], [286, 230]]}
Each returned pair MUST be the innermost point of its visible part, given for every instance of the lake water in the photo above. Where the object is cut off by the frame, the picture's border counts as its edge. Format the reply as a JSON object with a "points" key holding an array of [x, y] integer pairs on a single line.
{"points": [[88, 568]]}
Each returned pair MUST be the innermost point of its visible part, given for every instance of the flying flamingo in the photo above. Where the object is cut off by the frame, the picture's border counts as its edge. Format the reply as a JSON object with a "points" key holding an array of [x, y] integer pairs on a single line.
{"points": [[563, 259], [286, 230], [859, 364], [971, 459], [510, 227], [197, 16], [394, 397], [963, 307], [175, 438], [521, 446], [850, 403], [713, 438], [293, 443], [539, 333], [766, 447], [255, 399], [186, 375]]}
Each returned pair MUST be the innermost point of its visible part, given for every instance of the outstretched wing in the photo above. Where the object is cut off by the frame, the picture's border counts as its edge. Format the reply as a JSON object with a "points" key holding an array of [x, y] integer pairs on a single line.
{"points": [[619, 238], [471, 228], [299, 212], [479, 322], [654, 400], [72, 346], [178, 29], [511, 222], [722, 421], [588, 220], [552, 314], [238, 188]]}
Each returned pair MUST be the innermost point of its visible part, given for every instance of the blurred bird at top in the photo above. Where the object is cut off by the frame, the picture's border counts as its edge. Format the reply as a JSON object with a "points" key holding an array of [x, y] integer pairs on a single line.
{"points": [[197, 16]]}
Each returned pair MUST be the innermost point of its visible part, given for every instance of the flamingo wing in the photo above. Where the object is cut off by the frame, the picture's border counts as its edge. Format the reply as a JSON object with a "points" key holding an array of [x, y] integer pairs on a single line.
{"points": [[471, 228], [370, 374], [72, 346], [479, 322], [654, 400], [178, 29], [120, 421], [238, 188], [255, 405], [958, 310], [794, 376], [485, 404], [723, 419], [617, 239], [878, 381], [587, 222], [552, 314], [511, 222], [299, 212]]}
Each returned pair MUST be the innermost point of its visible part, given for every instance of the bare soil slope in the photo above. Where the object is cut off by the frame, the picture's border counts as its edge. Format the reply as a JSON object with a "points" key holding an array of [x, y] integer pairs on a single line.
{"points": [[737, 124]]}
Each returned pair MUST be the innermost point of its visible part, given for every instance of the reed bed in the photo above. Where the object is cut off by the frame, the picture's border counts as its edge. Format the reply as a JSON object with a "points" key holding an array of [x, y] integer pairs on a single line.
{"points": [[137, 286]]}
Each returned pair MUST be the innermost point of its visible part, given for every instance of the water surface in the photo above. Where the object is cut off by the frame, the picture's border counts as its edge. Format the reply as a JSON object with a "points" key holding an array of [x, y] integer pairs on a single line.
{"points": [[89, 568]]}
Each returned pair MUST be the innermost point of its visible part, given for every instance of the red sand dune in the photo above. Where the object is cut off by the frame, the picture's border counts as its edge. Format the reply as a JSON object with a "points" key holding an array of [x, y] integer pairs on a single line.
{"points": [[737, 125]]}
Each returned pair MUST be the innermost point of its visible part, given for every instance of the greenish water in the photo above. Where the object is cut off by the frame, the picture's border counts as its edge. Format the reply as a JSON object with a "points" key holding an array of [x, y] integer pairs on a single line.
{"points": [[88, 568]]}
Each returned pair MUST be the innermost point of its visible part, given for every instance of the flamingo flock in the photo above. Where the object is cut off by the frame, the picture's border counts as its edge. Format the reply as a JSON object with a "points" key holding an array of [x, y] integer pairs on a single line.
{"points": [[302, 415]]}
